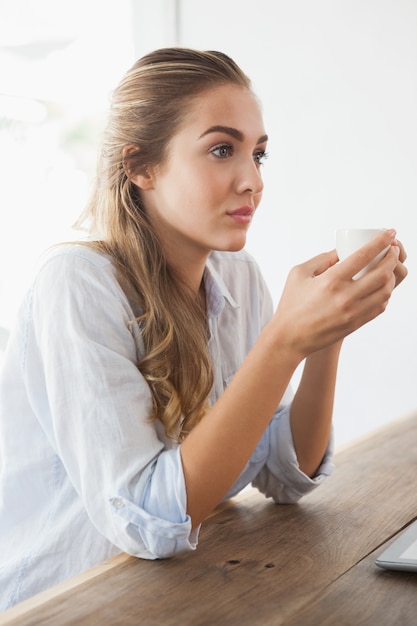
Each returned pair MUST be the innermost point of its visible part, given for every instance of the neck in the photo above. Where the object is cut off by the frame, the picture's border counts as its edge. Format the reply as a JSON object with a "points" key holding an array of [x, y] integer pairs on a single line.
{"points": [[192, 276], [189, 268]]}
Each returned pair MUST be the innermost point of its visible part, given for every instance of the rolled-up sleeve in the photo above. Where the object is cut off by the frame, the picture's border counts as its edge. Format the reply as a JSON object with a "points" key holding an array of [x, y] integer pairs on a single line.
{"points": [[160, 521], [273, 468], [281, 478]]}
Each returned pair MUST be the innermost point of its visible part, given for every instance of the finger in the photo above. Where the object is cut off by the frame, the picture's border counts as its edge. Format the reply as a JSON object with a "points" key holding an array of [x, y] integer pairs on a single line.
{"points": [[383, 271], [403, 255], [392, 261], [400, 272], [357, 261], [320, 263]]}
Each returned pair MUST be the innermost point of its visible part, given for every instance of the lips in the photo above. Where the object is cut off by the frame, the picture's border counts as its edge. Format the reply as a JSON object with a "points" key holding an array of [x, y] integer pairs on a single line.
{"points": [[242, 215], [243, 211]]}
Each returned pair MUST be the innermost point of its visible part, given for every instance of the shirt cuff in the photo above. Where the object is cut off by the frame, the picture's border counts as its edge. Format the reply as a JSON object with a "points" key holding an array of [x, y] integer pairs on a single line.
{"points": [[282, 463], [159, 526]]}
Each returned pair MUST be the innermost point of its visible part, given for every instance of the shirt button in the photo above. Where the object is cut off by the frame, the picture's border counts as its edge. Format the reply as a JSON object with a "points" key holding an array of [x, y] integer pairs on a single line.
{"points": [[118, 503]]}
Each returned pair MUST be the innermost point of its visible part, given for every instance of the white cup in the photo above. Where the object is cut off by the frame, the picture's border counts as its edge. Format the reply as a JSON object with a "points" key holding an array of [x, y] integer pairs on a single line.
{"points": [[348, 240]]}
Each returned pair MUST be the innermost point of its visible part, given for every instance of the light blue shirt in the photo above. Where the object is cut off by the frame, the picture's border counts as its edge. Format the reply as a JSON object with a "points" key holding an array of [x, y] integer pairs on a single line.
{"points": [[85, 473]]}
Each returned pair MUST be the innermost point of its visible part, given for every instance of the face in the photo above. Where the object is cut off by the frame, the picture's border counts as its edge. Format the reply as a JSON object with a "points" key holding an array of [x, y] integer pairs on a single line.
{"points": [[204, 196]]}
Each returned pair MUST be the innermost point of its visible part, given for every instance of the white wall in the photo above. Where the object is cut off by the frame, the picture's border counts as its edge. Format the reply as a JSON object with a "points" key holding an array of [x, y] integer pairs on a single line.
{"points": [[338, 81]]}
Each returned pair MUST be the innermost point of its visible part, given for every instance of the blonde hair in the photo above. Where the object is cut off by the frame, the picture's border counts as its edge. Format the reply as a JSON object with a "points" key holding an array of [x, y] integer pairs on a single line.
{"points": [[147, 108]]}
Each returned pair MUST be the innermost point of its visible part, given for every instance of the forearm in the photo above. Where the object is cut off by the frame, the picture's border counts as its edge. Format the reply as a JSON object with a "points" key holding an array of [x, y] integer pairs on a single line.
{"points": [[218, 448], [312, 408]]}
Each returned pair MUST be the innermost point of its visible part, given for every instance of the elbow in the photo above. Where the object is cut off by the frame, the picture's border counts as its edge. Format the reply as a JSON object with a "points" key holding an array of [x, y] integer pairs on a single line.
{"points": [[146, 536], [149, 544]]}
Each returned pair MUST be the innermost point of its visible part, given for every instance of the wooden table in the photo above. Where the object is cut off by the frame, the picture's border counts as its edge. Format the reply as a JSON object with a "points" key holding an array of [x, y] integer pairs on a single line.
{"points": [[309, 564]]}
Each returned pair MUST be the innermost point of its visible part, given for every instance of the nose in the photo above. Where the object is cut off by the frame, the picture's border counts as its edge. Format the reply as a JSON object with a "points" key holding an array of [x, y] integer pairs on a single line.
{"points": [[250, 179]]}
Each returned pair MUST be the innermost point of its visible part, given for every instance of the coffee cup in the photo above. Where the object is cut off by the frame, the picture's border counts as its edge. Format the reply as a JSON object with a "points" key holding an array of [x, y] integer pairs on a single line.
{"points": [[348, 240]]}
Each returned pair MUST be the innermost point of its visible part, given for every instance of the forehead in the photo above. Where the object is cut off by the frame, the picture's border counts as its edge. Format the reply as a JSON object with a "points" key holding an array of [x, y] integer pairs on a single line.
{"points": [[225, 105]]}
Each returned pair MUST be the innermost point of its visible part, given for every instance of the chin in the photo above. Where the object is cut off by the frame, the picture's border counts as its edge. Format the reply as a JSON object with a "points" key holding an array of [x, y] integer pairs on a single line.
{"points": [[238, 243], [232, 245], [237, 247]]}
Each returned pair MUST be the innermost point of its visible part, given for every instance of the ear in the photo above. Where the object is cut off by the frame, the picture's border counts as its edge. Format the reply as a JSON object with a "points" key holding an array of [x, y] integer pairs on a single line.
{"points": [[142, 179]]}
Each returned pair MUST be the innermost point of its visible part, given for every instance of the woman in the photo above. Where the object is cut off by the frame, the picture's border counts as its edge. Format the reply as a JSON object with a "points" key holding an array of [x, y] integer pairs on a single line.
{"points": [[147, 376]]}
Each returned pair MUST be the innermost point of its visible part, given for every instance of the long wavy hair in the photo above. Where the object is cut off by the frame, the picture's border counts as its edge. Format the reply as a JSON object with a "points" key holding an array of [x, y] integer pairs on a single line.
{"points": [[147, 108]]}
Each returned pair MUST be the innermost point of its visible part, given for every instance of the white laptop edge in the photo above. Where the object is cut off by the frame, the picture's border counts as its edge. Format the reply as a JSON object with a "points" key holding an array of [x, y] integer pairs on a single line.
{"points": [[402, 553]]}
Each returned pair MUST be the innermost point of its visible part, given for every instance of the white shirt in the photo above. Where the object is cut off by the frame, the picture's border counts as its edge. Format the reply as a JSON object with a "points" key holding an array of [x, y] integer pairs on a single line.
{"points": [[85, 473]]}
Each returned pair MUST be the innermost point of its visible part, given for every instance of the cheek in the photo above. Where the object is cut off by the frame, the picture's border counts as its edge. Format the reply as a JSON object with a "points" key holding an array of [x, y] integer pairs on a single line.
{"points": [[200, 191], [216, 188]]}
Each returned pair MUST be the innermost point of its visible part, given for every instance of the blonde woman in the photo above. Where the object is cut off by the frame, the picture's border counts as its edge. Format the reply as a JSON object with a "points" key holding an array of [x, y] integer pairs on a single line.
{"points": [[147, 377]]}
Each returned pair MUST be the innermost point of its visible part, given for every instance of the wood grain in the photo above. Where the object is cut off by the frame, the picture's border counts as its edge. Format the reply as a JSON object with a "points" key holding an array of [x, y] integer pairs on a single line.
{"points": [[259, 563], [364, 595]]}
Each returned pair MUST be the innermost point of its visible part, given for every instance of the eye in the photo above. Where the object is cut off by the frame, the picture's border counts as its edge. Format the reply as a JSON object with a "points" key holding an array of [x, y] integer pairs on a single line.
{"points": [[260, 156], [223, 151]]}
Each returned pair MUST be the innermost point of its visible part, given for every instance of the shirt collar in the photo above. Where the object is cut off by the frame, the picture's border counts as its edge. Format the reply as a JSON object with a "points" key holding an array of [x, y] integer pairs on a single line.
{"points": [[217, 293]]}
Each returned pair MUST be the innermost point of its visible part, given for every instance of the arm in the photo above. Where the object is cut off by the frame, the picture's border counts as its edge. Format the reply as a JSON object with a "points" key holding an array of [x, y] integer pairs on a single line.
{"points": [[320, 305], [217, 449], [94, 406], [312, 408]]}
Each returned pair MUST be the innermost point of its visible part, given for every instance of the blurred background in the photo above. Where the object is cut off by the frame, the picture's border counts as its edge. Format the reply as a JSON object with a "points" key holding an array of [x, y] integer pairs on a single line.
{"points": [[338, 83]]}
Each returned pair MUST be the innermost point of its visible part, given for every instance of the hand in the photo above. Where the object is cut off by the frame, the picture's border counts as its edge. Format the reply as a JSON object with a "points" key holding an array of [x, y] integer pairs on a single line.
{"points": [[321, 303]]}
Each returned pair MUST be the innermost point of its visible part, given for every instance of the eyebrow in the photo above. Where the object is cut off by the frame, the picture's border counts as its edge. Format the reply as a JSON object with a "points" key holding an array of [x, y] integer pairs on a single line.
{"points": [[233, 132]]}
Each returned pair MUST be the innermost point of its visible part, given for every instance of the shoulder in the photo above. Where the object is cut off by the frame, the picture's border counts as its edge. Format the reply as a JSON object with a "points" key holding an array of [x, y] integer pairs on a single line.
{"points": [[75, 260], [75, 286], [73, 254], [75, 269]]}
